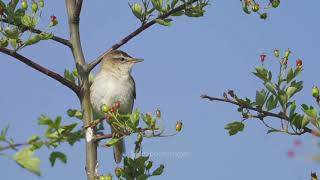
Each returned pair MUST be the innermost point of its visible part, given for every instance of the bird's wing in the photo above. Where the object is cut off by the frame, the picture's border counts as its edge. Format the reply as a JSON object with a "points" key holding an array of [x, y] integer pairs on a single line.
{"points": [[134, 88]]}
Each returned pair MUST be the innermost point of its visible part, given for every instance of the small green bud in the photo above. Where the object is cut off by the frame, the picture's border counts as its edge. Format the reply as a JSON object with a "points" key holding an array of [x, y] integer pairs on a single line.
{"points": [[263, 16], [287, 53], [255, 7], [34, 7], [137, 10], [315, 92], [105, 108], [41, 3], [24, 4], [276, 53], [108, 177], [275, 3], [149, 165], [4, 43], [179, 126], [118, 171]]}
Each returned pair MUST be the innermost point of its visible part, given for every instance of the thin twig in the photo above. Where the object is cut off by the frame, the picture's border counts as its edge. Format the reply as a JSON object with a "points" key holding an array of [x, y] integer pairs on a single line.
{"points": [[78, 7], [54, 38], [42, 69], [262, 112], [136, 32]]}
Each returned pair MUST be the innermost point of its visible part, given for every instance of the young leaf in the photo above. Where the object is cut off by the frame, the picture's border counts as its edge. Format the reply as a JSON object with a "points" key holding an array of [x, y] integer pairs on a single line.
{"points": [[112, 142], [234, 127], [24, 159], [261, 97], [271, 87], [164, 22], [261, 73], [271, 103], [158, 171], [57, 155]]}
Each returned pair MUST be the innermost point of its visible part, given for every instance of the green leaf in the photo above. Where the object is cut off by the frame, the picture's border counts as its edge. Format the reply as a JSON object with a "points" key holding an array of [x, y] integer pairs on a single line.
{"points": [[273, 130], [271, 103], [11, 33], [3, 133], [44, 120], [261, 73], [29, 21], [246, 10], [135, 117], [69, 76], [261, 97], [142, 177], [293, 107], [33, 40], [305, 121], [57, 122], [24, 159], [291, 91], [13, 43], [158, 171], [33, 139], [137, 10], [310, 111], [112, 142], [283, 98], [290, 75], [157, 4], [57, 155], [164, 22], [174, 3], [45, 36], [234, 127], [271, 87]]}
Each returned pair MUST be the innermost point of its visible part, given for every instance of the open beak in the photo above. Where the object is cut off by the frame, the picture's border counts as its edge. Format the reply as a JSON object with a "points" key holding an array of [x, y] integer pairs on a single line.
{"points": [[136, 60]]}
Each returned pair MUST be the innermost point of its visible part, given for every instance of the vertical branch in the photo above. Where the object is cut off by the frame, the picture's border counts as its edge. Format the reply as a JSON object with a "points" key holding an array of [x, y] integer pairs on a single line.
{"points": [[74, 10]]}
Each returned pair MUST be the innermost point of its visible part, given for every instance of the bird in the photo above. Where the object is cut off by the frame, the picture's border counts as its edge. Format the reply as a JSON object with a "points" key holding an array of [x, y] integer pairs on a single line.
{"points": [[115, 84]]}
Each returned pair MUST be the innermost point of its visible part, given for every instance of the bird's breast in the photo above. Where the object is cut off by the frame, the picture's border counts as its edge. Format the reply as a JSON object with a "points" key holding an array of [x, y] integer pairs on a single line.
{"points": [[108, 90]]}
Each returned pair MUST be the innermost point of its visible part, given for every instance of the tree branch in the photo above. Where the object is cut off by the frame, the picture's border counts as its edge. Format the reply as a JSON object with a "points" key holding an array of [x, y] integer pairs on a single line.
{"points": [[78, 8], [137, 32], [54, 38], [264, 113], [42, 69]]}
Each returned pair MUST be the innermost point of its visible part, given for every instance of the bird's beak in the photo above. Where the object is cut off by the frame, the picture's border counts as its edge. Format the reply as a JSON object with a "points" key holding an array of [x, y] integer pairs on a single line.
{"points": [[135, 60]]}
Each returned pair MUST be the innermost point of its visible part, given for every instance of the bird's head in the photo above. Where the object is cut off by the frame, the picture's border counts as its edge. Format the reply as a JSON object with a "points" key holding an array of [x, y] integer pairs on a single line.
{"points": [[119, 62]]}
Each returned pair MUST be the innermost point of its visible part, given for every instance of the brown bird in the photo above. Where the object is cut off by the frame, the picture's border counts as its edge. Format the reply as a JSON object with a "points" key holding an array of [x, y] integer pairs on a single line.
{"points": [[112, 84]]}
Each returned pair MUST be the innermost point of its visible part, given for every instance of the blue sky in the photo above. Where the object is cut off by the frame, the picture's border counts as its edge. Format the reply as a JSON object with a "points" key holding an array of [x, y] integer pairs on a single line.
{"points": [[195, 56]]}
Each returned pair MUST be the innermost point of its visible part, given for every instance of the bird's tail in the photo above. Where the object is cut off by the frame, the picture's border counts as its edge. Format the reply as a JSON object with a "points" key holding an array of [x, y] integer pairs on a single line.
{"points": [[118, 149]]}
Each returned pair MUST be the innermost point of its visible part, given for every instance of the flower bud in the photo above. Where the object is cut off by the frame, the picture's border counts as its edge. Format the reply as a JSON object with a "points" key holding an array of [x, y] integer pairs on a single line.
{"points": [[315, 92], [137, 10], [41, 3], [108, 177], [34, 7], [276, 53], [263, 57], [255, 7], [24, 4], [263, 16], [118, 171], [53, 21], [105, 108], [285, 61], [287, 53], [149, 114], [179, 126], [275, 3], [158, 113], [299, 63]]}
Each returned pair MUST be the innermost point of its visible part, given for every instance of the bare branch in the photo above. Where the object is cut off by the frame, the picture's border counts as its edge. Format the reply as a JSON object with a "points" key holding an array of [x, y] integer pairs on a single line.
{"points": [[137, 32], [262, 112], [42, 69], [54, 38]]}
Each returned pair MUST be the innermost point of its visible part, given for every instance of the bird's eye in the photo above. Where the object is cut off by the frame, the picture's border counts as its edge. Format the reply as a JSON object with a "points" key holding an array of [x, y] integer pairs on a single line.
{"points": [[122, 59]]}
